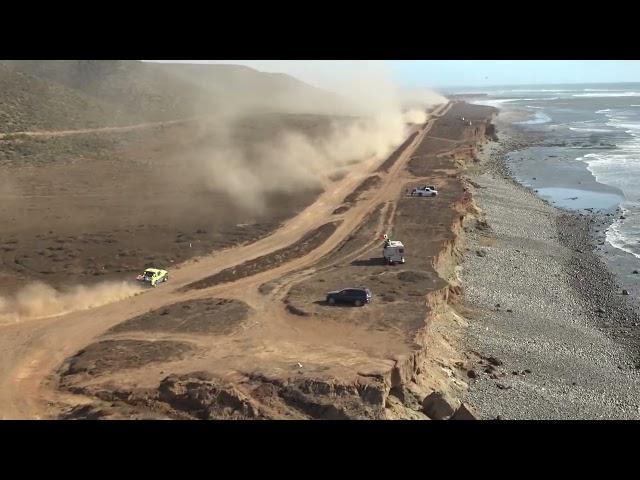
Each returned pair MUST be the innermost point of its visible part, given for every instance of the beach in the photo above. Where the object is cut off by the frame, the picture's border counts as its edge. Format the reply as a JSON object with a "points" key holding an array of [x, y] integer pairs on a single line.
{"points": [[543, 302]]}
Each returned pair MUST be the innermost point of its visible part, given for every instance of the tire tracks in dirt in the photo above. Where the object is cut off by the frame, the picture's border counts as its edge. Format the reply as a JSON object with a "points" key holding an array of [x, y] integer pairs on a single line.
{"points": [[31, 351], [115, 129]]}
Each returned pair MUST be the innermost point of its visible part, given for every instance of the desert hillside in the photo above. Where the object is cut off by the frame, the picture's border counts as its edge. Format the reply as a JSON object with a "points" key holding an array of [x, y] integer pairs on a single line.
{"points": [[29, 103], [96, 92]]}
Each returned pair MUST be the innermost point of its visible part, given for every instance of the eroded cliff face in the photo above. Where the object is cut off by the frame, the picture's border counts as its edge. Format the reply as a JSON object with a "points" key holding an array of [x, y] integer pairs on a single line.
{"points": [[435, 374]]}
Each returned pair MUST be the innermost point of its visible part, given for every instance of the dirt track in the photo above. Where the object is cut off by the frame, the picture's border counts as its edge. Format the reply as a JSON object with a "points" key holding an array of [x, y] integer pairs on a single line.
{"points": [[82, 131], [30, 352]]}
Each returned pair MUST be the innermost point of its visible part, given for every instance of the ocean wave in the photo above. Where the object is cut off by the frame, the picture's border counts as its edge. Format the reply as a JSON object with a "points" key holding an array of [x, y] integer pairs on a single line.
{"points": [[620, 239], [542, 90], [499, 102], [532, 106], [588, 121], [622, 157], [538, 99], [623, 123], [601, 90], [539, 118], [595, 130], [604, 110], [618, 168], [617, 94], [495, 102]]}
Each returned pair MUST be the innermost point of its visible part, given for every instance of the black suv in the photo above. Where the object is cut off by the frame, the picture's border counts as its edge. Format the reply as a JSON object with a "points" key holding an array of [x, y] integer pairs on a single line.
{"points": [[355, 296]]}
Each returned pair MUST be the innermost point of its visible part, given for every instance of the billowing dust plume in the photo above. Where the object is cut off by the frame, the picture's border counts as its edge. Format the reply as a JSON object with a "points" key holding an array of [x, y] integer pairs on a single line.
{"points": [[294, 161], [372, 117], [300, 139], [38, 300], [415, 116]]}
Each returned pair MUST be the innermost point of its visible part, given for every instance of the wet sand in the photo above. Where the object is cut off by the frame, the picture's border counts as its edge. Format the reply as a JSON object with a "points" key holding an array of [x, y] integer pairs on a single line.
{"points": [[565, 182]]}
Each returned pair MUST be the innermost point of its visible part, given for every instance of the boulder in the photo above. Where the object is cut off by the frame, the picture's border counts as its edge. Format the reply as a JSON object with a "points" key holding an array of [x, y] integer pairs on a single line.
{"points": [[440, 406], [396, 410], [494, 361], [205, 397], [465, 412]]}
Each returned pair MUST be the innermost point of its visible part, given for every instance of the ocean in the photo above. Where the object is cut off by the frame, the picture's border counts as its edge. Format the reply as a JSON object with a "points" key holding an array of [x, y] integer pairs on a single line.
{"points": [[591, 155]]}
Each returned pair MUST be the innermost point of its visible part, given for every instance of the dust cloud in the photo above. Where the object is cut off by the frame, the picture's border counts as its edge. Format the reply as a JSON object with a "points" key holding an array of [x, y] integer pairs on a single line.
{"points": [[370, 118], [415, 116], [39, 300], [292, 161], [306, 136]]}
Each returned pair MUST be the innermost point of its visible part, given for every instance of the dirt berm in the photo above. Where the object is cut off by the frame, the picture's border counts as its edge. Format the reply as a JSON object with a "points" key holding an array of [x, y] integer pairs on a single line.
{"points": [[306, 244]]}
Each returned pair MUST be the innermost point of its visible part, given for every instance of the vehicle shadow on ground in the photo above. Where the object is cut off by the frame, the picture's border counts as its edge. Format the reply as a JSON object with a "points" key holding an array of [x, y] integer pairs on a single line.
{"points": [[369, 262], [324, 303]]}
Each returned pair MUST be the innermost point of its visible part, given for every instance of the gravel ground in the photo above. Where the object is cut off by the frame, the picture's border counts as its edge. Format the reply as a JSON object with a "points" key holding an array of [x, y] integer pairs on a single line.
{"points": [[563, 340]]}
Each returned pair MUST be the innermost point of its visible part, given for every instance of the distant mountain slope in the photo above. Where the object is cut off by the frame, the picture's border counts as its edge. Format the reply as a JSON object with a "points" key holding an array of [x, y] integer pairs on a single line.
{"points": [[243, 86], [157, 91], [30, 103], [133, 86]]}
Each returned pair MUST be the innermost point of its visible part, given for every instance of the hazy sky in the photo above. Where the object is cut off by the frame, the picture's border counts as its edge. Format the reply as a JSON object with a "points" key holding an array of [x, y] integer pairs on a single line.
{"points": [[505, 72], [445, 73]]}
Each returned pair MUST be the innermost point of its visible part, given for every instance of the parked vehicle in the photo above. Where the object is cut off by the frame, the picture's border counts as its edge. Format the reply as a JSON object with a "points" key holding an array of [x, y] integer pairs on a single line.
{"points": [[424, 192], [393, 251], [353, 296], [153, 276]]}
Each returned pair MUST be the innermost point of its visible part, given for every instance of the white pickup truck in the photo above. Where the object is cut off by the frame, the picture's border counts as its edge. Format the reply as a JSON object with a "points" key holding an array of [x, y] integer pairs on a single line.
{"points": [[424, 191]]}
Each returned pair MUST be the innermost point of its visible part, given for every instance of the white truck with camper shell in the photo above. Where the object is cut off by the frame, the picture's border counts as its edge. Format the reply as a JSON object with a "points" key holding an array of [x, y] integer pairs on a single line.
{"points": [[393, 251]]}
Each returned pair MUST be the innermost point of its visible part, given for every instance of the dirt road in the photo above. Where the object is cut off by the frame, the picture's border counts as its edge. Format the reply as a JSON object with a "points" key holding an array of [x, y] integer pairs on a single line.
{"points": [[66, 133], [31, 351]]}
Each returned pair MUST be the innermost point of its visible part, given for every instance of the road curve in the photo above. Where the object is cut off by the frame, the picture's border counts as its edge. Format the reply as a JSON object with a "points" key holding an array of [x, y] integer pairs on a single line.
{"points": [[31, 351]]}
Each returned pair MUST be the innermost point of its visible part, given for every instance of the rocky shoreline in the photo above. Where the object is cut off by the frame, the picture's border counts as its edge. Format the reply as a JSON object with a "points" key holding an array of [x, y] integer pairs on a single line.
{"points": [[544, 303], [615, 312]]}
